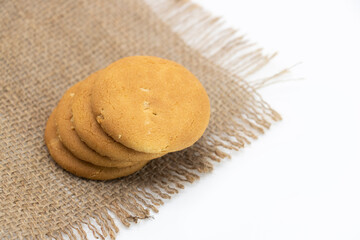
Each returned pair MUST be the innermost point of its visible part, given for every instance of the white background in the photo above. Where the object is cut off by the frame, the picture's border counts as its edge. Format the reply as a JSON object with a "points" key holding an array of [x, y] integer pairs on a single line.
{"points": [[301, 180]]}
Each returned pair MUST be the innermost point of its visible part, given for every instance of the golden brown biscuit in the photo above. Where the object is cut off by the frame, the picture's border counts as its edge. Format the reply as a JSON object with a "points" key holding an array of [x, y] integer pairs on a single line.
{"points": [[92, 134], [77, 167], [71, 140], [150, 104]]}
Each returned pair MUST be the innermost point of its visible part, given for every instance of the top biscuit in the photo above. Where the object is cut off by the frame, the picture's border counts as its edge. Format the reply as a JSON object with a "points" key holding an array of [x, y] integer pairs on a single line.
{"points": [[150, 104]]}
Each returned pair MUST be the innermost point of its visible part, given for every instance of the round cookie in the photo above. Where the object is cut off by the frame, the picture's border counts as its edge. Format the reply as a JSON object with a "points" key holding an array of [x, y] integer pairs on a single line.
{"points": [[92, 134], [71, 140], [77, 167], [150, 104]]}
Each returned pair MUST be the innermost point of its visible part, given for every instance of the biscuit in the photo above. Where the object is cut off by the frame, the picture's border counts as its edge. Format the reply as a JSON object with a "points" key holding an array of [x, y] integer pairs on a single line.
{"points": [[71, 140], [92, 134], [150, 104], [77, 167]]}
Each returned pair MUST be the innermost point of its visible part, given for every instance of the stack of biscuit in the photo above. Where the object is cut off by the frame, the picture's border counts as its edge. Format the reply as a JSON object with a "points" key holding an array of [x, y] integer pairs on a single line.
{"points": [[118, 119]]}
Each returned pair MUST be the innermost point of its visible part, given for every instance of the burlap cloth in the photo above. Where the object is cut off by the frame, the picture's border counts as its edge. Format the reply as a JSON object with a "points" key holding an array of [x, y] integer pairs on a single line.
{"points": [[47, 46]]}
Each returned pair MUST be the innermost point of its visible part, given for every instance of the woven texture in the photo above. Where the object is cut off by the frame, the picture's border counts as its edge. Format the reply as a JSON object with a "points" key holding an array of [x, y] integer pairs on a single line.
{"points": [[47, 46]]}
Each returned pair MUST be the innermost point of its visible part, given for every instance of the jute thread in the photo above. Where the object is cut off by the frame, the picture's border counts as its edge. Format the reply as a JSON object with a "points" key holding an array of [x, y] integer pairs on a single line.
{"points": [[47, 46]]}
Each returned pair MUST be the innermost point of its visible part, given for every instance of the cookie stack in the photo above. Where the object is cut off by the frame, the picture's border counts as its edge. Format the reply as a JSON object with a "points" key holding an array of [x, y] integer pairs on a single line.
{"points": [[115, 121]]}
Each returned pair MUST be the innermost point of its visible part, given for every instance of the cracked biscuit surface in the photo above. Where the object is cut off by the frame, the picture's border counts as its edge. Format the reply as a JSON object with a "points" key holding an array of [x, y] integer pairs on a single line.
{"points": [[70, 139], [76, 166], [150, 104], [93, 135]]}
